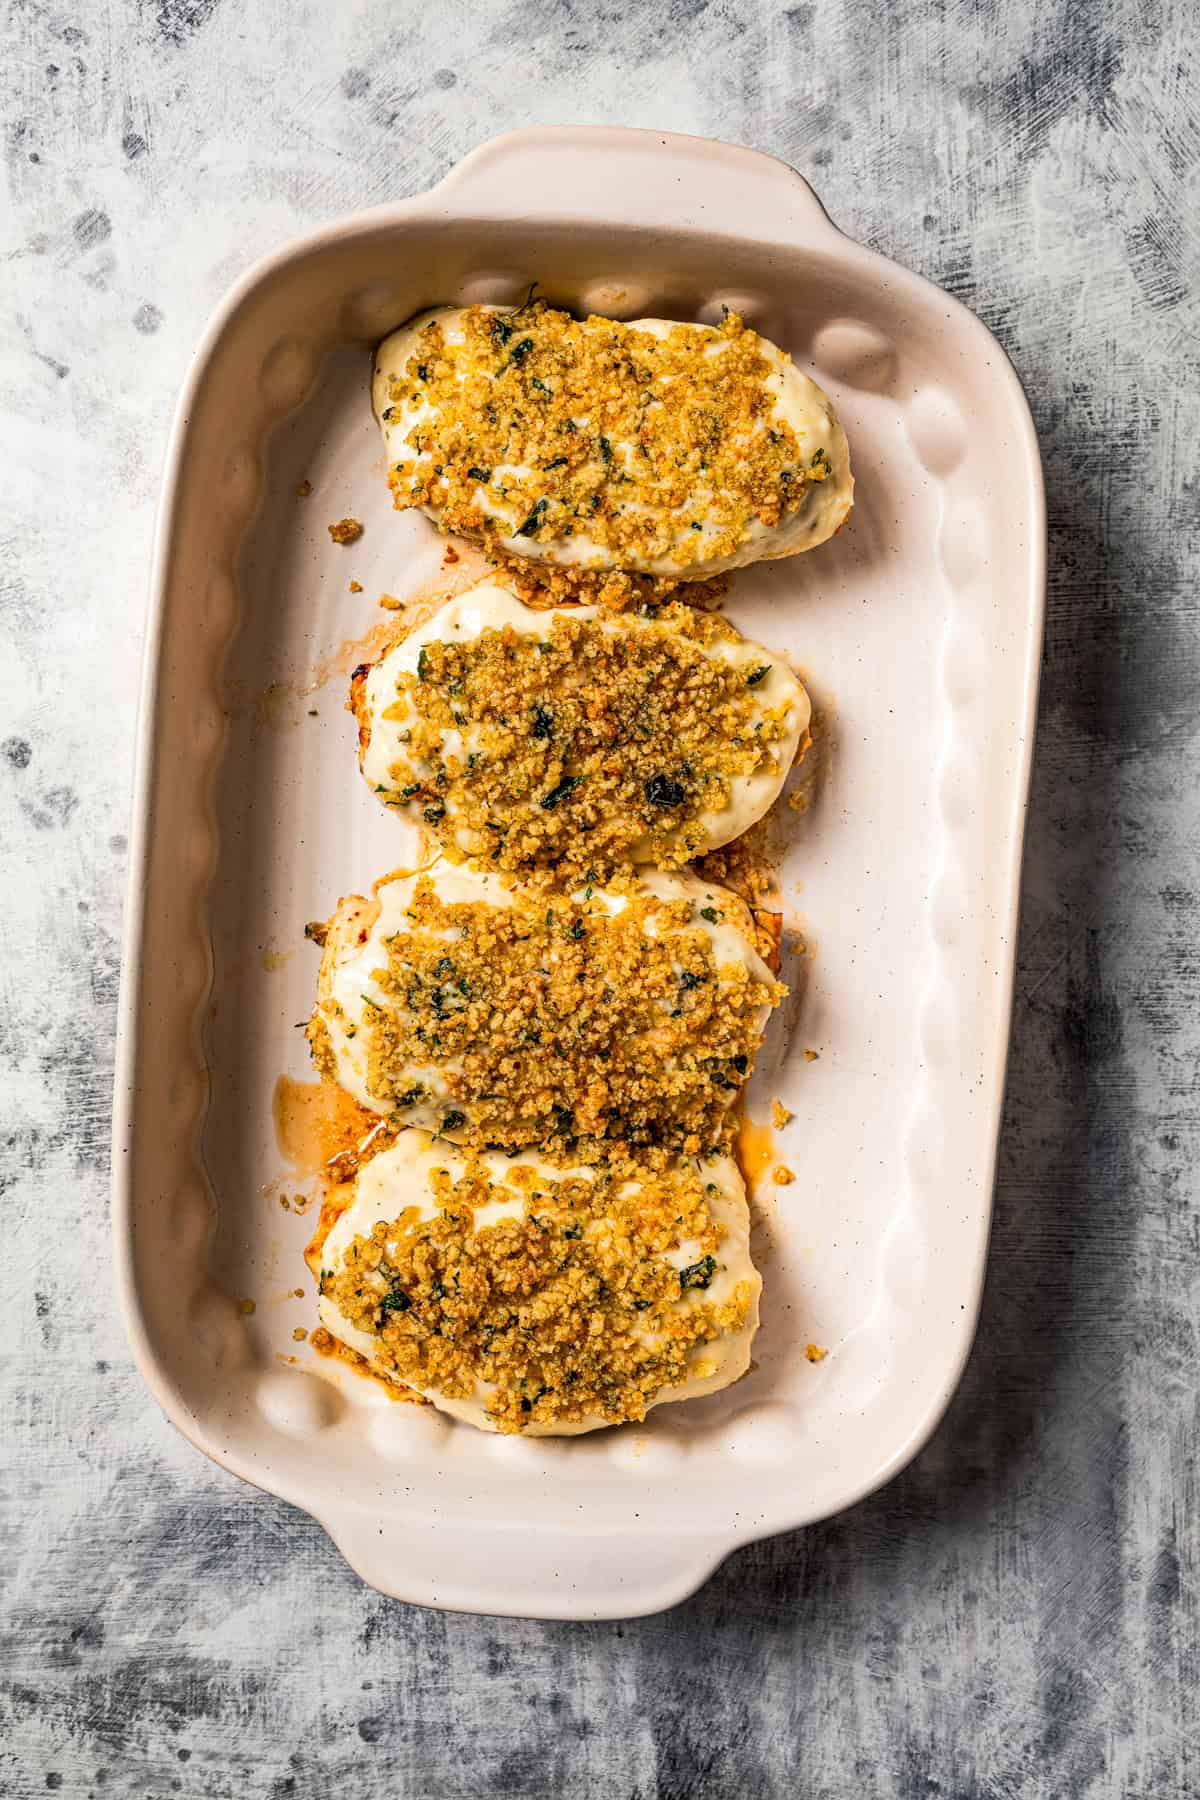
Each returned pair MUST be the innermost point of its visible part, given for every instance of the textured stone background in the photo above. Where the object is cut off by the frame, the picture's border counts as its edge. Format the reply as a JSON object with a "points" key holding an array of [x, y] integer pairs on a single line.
{"points": [[1017, 1615]]}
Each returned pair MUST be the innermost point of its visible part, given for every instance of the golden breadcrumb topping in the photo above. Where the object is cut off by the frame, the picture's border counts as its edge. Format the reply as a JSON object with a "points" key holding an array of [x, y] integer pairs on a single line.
{"points": [[346, 531], [538, 425], [573, 749], [554, 1021], [567, 1311], [542, 584]]}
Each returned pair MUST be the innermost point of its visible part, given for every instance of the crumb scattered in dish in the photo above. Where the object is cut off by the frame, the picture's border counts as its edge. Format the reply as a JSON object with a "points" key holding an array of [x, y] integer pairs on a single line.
{"points": [[356, 587], [346, 531], [812, 1056], [780, 1116], [782, 1177], [814, 1353], [304, 490]]}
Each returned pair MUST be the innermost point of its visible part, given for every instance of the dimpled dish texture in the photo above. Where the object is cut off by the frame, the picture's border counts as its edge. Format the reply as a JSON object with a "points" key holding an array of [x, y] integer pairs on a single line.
{"points": [[569, 739], [455, 1000], [519, 1294], [663, 448]]}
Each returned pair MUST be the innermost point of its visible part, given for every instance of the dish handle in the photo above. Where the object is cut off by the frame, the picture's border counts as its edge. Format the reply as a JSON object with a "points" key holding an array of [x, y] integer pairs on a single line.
{"points": [[612, 174], [513, 1572]]}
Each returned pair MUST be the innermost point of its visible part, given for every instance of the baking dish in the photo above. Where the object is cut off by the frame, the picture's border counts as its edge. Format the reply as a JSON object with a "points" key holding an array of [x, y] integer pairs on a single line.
{"points": [[919, 631]]}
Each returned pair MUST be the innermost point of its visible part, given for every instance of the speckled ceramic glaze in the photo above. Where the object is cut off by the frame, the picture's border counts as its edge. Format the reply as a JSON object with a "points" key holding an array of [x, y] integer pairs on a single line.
{"points": [[918, 631]]}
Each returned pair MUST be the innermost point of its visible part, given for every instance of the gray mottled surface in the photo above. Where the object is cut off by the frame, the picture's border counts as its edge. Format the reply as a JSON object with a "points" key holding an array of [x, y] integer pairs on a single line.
{"points": [[1015, 1616]]}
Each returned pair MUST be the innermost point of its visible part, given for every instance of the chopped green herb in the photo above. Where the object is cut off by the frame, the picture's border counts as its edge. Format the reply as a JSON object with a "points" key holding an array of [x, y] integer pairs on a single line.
{"points": [[662, 791], [566, 786], [757, 675], [560, 462], [478, 474], [451, 1121], [711, 914], [698, 1274], [422, 663], [395, 1300], [543, 722], [605, 449], [534, 520]]}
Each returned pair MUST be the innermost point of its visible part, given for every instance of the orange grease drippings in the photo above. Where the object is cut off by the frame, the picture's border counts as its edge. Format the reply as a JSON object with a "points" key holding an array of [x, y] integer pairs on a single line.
{"points": [[315, 1121], [754, 1149]]}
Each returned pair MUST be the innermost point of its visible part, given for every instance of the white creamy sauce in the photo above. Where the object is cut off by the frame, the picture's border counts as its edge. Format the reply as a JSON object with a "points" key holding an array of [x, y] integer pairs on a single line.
{"points": [[491, 606], [399, 1178], [797, 401]]}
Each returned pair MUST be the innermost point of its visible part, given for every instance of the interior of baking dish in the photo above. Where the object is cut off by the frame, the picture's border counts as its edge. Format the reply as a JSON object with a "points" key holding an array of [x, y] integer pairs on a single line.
{"points": [[918, 631]]}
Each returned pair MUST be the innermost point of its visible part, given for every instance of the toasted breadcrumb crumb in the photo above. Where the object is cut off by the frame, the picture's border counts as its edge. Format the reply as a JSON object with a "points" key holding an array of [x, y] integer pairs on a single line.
{"points": [[780, 1116], [812, 1056], [814, 1353], [346, 531], [390, 603], [246, 1306], [356, 587], [304, 490], [782, 1177]]}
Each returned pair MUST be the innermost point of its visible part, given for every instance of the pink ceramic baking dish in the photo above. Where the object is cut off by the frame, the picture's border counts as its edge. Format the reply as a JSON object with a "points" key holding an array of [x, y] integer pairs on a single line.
{"points": [[918, 629]]}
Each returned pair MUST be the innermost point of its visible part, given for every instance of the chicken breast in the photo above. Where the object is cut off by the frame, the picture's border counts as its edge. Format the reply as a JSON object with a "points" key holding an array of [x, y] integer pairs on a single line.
{"points": [[657, 447], [525, 1295], [522, 1016], [569, 739]]}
